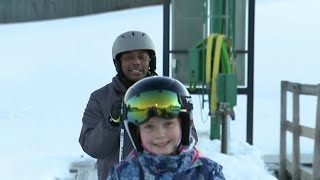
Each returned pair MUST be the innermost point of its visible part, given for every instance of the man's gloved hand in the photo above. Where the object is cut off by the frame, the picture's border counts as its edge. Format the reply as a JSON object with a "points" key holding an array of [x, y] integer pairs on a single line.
{"points": [[115, 115]]}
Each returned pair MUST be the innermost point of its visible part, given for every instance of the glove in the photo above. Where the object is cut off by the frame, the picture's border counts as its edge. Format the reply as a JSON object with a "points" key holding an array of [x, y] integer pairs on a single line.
{"points": [[115, 116]]}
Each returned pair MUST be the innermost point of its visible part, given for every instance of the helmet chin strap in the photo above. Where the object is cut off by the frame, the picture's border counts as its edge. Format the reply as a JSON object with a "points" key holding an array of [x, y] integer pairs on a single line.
{"points": [[183, 148]]}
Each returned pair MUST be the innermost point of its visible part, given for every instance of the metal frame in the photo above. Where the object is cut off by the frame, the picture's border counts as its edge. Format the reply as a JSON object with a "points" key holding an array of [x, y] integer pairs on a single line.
{"points": [[249, 90]]}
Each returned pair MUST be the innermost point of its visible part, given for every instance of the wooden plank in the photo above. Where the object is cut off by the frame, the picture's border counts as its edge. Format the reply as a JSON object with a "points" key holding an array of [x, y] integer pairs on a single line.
{"points": [[306, 89], [296, 133], [305, 158], [304, 130], [305, 171], [305, 166], [84, 169], [316, 151], [272, 163], [283, 130], [289, 126], [307, 132]]}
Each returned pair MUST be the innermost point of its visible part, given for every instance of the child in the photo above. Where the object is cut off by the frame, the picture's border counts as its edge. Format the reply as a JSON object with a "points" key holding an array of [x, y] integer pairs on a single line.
{"points": [[158, 118]]}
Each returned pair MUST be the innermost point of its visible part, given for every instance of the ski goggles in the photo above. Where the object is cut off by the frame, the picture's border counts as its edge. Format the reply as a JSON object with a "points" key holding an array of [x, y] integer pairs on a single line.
{"points": [[160, 103]]}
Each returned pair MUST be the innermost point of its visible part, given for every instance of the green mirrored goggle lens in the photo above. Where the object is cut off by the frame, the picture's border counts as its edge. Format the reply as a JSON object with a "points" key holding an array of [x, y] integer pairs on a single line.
{"points": [[162, 103]]}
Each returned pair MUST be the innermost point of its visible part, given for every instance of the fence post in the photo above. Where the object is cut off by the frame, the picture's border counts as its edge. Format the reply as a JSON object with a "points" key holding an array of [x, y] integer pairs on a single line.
{"points": [[283, 131], [296, 132], [316, 151]]}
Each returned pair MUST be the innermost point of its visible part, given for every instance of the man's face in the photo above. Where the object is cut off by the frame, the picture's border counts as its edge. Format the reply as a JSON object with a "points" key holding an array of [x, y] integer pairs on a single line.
{"points": [[135, 64]]}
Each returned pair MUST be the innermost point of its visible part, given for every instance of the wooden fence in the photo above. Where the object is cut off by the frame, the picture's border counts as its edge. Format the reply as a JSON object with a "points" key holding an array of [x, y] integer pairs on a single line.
{"points": [[296, 169]]}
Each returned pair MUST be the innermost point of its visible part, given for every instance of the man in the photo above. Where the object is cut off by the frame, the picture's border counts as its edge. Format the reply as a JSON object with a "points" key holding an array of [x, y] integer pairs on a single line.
{"points": [[102, 135]]}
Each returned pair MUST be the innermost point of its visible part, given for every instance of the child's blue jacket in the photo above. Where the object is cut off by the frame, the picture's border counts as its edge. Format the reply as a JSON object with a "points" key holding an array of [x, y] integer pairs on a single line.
{"points": [[188, 165]]}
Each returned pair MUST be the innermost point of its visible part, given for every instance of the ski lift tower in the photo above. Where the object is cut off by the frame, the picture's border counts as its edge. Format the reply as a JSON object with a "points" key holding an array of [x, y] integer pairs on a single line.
{"points": [[190, 22]]}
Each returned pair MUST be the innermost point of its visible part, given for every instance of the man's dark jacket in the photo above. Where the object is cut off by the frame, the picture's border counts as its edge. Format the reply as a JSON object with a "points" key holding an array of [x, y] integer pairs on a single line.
{"points": [[98, 138]]}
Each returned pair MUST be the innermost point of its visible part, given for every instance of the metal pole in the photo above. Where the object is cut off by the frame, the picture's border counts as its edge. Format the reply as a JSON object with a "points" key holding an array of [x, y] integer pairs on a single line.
{"points": [[166, 36], [250, 71]]}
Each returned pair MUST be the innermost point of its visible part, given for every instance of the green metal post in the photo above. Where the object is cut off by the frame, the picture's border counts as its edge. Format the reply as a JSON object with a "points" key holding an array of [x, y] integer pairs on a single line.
{"points": [[215, 126], [216, 24], [222, 20]]}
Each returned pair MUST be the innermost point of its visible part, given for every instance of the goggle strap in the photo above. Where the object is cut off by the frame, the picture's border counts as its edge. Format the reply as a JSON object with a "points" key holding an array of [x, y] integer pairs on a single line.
{"points": [[187, 102]]}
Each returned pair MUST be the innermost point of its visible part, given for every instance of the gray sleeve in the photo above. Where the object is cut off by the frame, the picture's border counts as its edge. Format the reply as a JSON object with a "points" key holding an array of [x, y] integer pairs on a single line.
{"points": [[98, 138]]}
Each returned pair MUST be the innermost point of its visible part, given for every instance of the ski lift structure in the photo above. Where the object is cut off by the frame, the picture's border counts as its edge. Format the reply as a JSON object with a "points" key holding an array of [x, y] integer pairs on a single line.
{"points": [[209, 46], [200, 21], [212, 39]]}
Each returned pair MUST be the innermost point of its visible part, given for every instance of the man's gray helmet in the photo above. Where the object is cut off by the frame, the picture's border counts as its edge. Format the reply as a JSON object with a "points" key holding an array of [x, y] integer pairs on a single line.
{"points": [[133, 40]]}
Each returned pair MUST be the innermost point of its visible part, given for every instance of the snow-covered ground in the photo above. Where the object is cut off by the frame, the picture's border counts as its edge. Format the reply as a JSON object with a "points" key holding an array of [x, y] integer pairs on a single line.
{"points": [[48, 70]]}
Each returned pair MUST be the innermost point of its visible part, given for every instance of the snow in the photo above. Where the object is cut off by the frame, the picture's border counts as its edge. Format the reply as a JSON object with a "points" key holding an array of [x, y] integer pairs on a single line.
{"points": [[48, 70]]}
